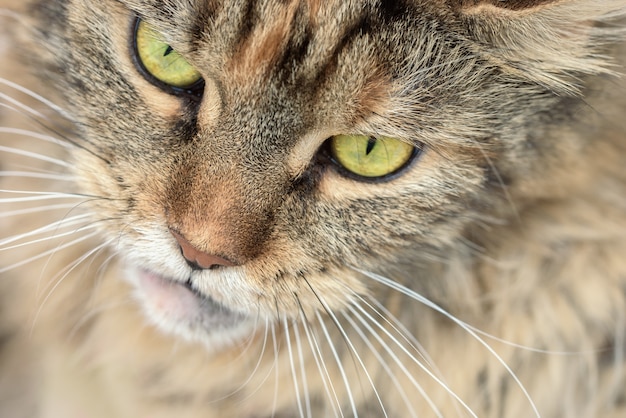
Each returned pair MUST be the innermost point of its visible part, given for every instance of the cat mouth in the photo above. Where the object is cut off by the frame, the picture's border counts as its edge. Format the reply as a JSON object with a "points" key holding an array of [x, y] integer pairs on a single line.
{"points": [[181, 302]]}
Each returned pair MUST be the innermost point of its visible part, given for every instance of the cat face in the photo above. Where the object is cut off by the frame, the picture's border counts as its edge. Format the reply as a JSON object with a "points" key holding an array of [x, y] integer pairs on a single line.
{"points": [[242, 185]]}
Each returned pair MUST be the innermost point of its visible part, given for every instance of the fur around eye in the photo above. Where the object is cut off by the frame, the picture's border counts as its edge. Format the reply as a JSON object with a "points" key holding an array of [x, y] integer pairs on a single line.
{"points": [[371, 157], [159, 62]]}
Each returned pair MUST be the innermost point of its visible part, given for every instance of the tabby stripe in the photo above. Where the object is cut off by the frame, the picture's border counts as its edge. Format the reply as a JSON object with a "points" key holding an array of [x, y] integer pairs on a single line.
{"points": [[353, 31], [249, 19]]}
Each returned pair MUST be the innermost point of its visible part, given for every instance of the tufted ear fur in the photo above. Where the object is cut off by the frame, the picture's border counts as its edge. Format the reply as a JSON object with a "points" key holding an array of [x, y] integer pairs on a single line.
{"points": [[551, 42], [504, 5]]}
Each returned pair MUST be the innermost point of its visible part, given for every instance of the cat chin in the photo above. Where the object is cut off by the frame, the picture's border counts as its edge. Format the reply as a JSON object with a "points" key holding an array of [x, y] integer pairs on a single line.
{"points": [[176, 308]]}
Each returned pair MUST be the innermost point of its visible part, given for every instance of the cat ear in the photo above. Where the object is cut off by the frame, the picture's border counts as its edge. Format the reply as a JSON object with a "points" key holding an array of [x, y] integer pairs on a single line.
{"points": [[501, 6], [550, 42], [511, 7]]}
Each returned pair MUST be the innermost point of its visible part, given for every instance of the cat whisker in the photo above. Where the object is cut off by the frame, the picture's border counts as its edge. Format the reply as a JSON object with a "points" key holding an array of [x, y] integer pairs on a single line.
{"points": [[293, 366], [426, 302], [65, 141], [47, 253], [529, 348], [275, 346], [65, 222], [70, 267], [18, 105], [331, 393], [93, 312], [254, 369], [500, 181], [382, 362], [96, 285], [35, 175], [36, 209], [360, 361], [401, 365], [390, 319], [37, 97], [404, 334], [246, 344], [258, 365], [303, 374], [346, 338], [62, 274], [57, 235], [339, 363], [35, 135], [34, 155], [398, 327], [37, 196]]}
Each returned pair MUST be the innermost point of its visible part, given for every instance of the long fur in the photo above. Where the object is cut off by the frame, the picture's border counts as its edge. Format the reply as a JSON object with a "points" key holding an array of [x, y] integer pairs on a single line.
{"points": [[486, 279]]}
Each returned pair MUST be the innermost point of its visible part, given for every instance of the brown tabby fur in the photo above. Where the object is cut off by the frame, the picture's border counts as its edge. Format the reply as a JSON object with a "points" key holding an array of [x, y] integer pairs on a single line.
{"points": [[512, 220]]}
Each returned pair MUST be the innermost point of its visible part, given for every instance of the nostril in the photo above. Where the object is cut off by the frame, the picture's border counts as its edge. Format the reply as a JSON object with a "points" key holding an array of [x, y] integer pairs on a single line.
{"points": [[198, 259]]}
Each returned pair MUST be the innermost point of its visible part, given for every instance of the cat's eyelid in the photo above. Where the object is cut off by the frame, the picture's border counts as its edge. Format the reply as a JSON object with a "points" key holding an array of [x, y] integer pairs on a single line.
{"points": [[303, 153]]}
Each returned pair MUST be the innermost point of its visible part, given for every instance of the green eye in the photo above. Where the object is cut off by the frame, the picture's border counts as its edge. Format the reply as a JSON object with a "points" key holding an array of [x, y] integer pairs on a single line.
{"points": [[162, 62], [370, 157]]}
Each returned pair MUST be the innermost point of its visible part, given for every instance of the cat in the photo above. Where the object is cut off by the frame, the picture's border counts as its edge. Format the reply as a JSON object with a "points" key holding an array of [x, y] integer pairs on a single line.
{"points": [[281, 208]]}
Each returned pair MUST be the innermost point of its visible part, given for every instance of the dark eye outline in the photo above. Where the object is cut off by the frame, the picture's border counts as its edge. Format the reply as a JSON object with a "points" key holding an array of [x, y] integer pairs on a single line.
{"points": [[418, 150], [194, 91]]}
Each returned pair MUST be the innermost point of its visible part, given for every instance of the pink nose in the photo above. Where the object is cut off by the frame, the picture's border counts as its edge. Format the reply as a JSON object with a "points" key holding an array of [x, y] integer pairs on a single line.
{"points": [[198, 259]]}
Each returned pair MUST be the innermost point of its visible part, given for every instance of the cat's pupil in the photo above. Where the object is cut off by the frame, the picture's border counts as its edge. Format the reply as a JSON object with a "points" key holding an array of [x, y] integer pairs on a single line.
{"points": [[371, 142]]}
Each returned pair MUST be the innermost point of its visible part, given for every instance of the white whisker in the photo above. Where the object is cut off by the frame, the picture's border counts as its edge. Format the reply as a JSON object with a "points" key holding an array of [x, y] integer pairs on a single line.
{"points": [[34, 155], [254, 370], [411, 356], [258, 364], [64, 142], [33, 175], [416, 296], [382, 362], [305, 388], [61, 275], [350, 345], [50, 238], [101, 271], [62, 223], [529, 348], [34, 135], [293, 367], [276, 371], [37, 196], [384, 314], [47, 253], [339, 364], [321, 367], [47, 208], [20, 105], [358, 358], [97, 311], [37, 97], [43, 269]]}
